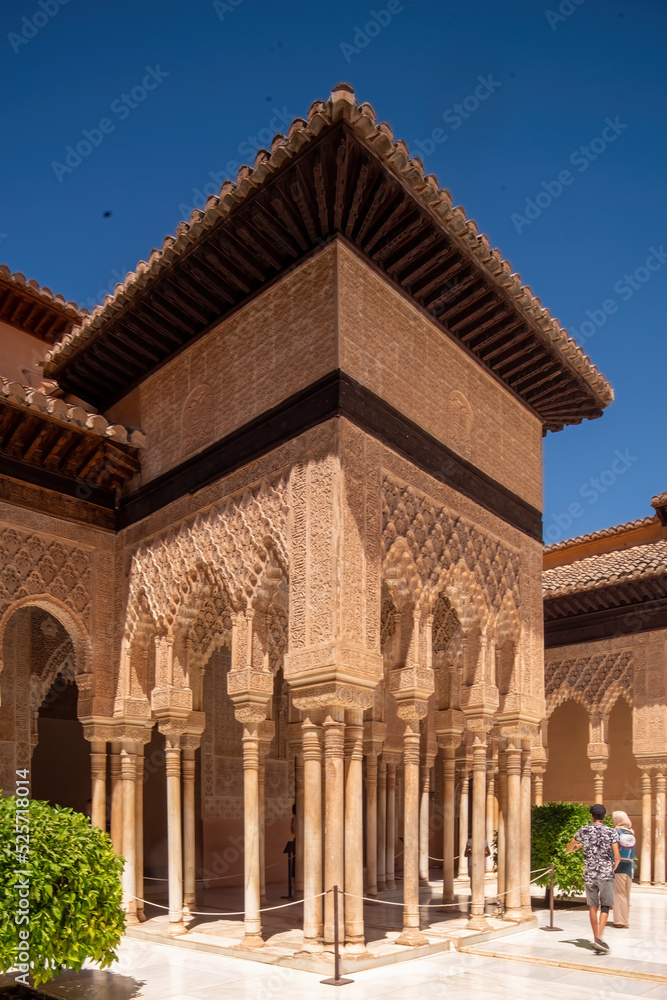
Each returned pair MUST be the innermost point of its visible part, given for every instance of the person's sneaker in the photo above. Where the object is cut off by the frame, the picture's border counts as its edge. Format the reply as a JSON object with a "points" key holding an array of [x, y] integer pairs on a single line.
{"points": [[601, 946]]}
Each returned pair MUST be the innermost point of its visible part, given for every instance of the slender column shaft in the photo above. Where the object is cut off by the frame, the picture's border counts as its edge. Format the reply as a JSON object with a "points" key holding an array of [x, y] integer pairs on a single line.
{"points": [[525, 832], [449, 821], [298, 828], [354, 831], [116, 798], [334, 847], [190, 894], [660, 789], [251, 835], [513, 833], [98, 783], [139, 834], [424, 809], [411, 934], [538, 789], [128, 781], [372, 823], [477, 920], [312, 834], [391, 826], [502, 814], [463, 821], [647, 817], [598, 786], [261, 788], [174, 836], [382, 827], [490, 808]]}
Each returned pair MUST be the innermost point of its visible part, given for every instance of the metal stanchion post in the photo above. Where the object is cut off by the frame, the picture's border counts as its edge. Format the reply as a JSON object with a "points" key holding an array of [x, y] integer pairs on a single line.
{"points": [[336, 981], [551, 906]]}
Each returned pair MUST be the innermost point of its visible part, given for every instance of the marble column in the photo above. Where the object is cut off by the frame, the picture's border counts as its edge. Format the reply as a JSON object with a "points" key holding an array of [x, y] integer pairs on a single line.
{"points": [[334, 844], [354, 832], [463, 818], [502, 814], [513, 834], [424, 816], [490, 816], [261, 792], [172, 750], [189, 884], [139, 832], [525, 804], [128, 767], [372, 823], [411, 934], [391, 826], [298, 827], [382, 826], [647, 824], [116, 797], [449, 821], [251, 837], [598, 786], [98, 783], [538, 788], [659, 857], [312, 833], [477, 920]]}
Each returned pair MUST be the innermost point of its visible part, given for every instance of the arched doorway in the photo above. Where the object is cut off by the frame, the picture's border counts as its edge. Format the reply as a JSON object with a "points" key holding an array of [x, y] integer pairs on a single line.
{"points": [[568, 777], [39, 707]]}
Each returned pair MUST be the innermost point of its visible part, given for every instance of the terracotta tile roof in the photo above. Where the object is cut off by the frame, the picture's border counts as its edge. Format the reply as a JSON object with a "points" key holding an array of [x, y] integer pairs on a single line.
{"points": [[660, 500], [410, 171], [30, 307], [38, 401], [607, 568], [617, 529]]}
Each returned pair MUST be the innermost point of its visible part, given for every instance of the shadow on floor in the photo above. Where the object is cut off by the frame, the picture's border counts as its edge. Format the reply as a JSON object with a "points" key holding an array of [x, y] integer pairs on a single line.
{"points": [[92, 982]]}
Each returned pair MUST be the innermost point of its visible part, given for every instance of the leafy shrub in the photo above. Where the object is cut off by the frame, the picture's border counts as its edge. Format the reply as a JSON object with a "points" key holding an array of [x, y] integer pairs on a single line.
{"points": [[74, 890], [552, 827]]}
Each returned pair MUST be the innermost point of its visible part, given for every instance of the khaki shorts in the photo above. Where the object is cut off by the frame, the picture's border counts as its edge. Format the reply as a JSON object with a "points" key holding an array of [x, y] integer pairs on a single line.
{"points": [[600, 893]]}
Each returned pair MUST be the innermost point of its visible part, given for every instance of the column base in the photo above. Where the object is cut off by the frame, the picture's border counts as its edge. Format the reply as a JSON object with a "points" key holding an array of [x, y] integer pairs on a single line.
{"points": [[478, 923], [382, 886], [263, 901], [412, 937], [423, 880], [251, 942], [356, 949], [131, 919], [141, 916], [372, 892], [310, 946], [513, 915], [176, 928], [391, 885]]}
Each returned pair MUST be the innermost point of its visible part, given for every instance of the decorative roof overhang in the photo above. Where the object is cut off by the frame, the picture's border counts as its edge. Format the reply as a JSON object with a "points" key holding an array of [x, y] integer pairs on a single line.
{"points": [[35, 310], [339, 174], [60, 447]]}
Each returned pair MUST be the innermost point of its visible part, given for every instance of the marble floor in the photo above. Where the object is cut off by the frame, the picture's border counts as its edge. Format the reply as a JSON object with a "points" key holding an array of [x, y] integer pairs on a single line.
{"points": [[557, 966]]}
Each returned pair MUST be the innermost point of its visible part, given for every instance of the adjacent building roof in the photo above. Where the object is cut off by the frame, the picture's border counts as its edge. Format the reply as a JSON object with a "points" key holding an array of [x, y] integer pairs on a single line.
{"points": [[640, 562], [337, 174], [36, 310], [64, 442]]}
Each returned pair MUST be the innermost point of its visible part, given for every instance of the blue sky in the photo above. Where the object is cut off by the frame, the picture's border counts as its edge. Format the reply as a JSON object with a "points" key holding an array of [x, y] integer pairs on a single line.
{"points": [[575, 87]]}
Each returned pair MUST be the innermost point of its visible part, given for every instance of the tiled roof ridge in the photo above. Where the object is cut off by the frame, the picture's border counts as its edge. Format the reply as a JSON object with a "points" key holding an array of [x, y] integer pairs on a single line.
{"points": [[341, 104], [660, 500], [19, 280], [620, 566], [40, 401], [592, 536]]}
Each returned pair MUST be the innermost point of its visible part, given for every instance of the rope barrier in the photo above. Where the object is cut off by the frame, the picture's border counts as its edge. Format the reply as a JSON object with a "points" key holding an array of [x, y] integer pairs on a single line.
{"points": [[237, 913]]}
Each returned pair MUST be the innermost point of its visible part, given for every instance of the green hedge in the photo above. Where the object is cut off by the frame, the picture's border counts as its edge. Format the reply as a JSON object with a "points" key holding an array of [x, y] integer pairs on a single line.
{"points": [[552, 827], [73, 890]]}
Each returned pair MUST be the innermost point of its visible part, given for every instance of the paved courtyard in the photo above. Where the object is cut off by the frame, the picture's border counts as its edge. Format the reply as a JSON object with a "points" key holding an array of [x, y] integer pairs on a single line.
{"points": [[528, 964]]}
